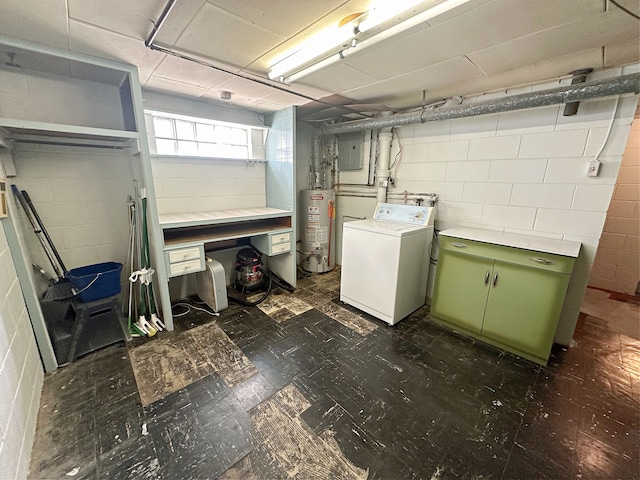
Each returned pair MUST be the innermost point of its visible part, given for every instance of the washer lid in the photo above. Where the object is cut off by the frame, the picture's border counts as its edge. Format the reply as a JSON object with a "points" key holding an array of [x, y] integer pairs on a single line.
{"points": [[410, 214], [384, 227]]}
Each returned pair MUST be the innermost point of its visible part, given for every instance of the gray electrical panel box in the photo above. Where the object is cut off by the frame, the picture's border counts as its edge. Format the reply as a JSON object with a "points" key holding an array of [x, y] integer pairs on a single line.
{"points": [[350, 151]]}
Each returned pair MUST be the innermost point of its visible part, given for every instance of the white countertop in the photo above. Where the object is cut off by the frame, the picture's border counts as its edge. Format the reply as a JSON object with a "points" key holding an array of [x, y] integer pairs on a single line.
{"points": [[567, 248], [172, 220]]}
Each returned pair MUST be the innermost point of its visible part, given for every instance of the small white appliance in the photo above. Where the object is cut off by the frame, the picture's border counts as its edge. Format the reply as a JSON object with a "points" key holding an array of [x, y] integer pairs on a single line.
{"points": [[385, 261], [212, 287]]}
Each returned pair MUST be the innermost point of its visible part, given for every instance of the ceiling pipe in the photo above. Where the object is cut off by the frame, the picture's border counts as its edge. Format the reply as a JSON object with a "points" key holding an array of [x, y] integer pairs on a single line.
{"points": [[572, 93]]}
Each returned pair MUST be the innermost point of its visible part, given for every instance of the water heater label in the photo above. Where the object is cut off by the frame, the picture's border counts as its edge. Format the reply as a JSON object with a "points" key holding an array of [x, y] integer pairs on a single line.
{"points": [[314, 217], [316, 197], [321, 235], [314, 209]]}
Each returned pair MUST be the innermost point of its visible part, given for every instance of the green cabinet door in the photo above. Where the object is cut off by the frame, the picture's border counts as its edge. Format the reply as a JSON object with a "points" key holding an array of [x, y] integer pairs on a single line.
{"points": [[524, 306], [460, 290]]}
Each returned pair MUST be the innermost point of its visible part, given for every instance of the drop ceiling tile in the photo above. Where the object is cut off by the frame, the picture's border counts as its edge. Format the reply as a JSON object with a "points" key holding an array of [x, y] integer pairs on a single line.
{"points": [[528, 75], [178, 88], [621, 53], [216, 35], [468, 32], [430, 78], [186, 71], [85, 38], [35, 21], [337, 78], [554, 42], [285, 98], [248, 88], [134, 19], [287, 18]]}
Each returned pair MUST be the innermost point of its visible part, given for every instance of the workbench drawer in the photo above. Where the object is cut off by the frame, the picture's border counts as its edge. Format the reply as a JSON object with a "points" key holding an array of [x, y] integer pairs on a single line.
{"points": [[273, 243], [181, 261]]}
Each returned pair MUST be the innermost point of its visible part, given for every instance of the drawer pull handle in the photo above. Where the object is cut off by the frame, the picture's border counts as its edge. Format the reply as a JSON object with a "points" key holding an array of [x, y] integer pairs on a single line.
{"points": [[541, 260], [495, 279], [458, 245], [486, 278]]}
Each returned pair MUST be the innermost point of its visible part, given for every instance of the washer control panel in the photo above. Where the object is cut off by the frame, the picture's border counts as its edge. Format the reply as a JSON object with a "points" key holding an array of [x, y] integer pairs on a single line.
{"points": [[410, 214]]}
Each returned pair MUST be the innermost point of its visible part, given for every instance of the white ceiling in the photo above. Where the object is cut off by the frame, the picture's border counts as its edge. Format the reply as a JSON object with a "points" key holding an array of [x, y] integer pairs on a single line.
{"points": [[484, 45]]}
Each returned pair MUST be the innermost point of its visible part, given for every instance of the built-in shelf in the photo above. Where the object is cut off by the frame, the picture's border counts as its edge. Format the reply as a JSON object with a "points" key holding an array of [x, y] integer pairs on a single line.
{"points": [[19, 129], [193, 219]]}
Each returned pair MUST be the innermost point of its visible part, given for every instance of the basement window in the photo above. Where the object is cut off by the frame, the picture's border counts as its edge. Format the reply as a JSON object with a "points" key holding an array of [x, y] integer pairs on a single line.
{"points": [[191, 137]]}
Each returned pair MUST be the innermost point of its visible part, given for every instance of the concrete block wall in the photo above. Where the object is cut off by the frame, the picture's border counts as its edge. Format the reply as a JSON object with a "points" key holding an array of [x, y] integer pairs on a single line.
{"points": [[81, 195], [21, 373], [617, 262], [200, 185]]}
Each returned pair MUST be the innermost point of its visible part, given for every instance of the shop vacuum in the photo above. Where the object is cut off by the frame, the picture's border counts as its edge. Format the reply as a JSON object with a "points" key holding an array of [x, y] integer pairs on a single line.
{"points": [[252, 276]]}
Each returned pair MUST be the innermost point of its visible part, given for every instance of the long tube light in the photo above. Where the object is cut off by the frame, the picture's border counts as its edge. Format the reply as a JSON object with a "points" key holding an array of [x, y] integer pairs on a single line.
{"points": [[331, 46]]}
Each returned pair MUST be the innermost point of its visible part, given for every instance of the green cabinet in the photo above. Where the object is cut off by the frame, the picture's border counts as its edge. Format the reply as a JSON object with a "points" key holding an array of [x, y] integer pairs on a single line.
{"points": [[509, 297]]}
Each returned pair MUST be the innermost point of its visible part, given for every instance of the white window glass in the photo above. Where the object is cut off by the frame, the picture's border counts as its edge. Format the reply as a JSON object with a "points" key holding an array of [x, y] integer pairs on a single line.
{"points": [[223, 134], [226, 151], [208, 149], [205, 132], [163, 127], [166, 147], [185, 130], [238, 136], [187, 148]]}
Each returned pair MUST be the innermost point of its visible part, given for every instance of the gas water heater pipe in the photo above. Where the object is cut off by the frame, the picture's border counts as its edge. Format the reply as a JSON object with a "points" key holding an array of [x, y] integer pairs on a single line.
{"points": [[384, 160]]}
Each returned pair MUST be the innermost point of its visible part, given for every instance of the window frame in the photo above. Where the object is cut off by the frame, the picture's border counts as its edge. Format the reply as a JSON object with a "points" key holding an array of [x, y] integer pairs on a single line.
{"points": [[201, 145]]}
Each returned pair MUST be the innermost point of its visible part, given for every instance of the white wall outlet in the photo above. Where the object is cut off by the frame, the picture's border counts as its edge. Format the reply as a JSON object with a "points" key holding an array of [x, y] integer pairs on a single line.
{"points": [[594, 168]]}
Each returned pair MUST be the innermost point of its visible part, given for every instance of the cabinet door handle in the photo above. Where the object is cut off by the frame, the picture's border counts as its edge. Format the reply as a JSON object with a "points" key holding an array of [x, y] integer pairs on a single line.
{"points": [[495, 279], [486, 277], [458, 245], [541, 260]]}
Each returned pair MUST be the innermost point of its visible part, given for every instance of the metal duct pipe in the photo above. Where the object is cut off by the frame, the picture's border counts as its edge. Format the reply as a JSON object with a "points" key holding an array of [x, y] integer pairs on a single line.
{"points": [[316, 163], [579, 76], [571, 93]]}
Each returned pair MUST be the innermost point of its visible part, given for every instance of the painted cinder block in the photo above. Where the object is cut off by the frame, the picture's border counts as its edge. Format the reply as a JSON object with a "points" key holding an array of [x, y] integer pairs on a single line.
{"points": [[554, 144], [509, 216], [518, 170], [477, 171], [592, 198], [586, 224], [542, 195], [494, 148], [455, 150], [487, 193]]}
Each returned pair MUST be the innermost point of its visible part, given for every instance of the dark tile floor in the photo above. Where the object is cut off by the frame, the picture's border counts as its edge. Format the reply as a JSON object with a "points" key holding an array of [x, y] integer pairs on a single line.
{"points": [[338, 394]]}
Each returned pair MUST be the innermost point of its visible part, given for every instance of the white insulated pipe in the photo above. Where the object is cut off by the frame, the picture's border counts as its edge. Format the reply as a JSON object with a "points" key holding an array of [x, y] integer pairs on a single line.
{"points": [[384, 160], [316, 162]]}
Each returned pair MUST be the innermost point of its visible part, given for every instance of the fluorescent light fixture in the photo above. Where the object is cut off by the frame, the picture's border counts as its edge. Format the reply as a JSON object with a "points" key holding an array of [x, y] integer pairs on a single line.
{"points": [[332, 45], [324, 43]]}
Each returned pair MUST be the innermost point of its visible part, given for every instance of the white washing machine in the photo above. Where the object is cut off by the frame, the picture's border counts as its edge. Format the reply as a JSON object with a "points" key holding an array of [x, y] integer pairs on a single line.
{"points": [[385, 261]]}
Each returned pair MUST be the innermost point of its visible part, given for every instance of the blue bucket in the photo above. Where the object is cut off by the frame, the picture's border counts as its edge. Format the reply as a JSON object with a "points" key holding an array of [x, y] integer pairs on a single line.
{"points": [[94, 282]]}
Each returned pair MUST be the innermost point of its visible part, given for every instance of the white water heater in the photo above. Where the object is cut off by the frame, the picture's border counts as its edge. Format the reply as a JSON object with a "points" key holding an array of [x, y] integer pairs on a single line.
{"points": [[318, 230]]}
